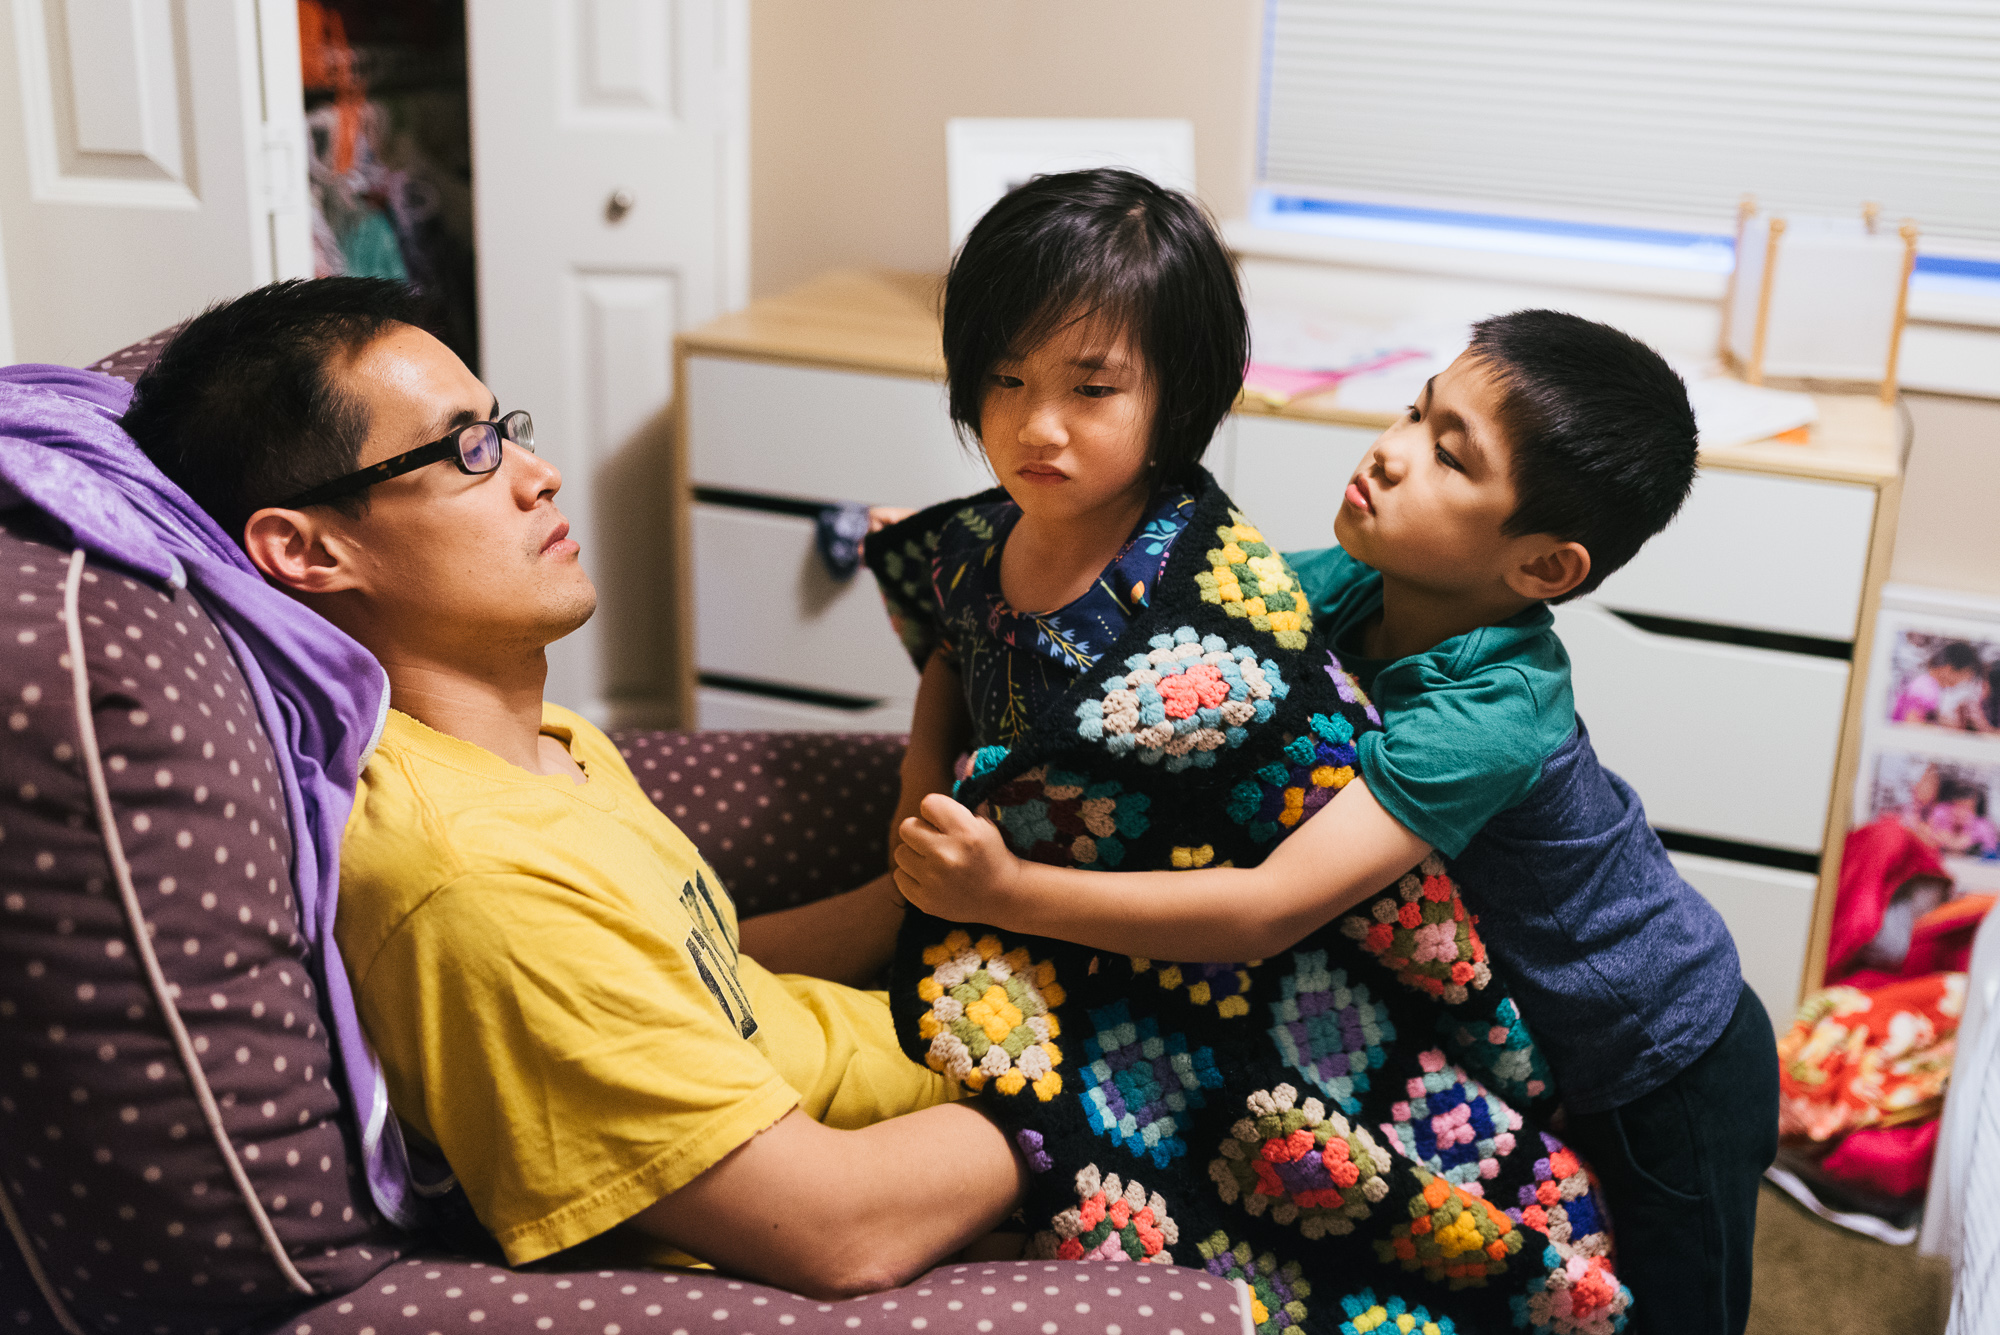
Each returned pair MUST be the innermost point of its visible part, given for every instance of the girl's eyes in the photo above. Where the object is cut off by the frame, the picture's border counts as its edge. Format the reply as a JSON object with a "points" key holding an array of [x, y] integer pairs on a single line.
{"points": [[999, 381], [1096, 391]]}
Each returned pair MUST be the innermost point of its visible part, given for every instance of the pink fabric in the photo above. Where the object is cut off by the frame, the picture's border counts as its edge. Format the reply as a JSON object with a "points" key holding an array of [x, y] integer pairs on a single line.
{"points": [[1885, 1161], [1918, 700], [1879, 858]]}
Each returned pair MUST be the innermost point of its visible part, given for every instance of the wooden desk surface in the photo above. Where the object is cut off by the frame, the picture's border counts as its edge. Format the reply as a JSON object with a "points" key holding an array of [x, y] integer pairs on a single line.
{"points": [[884, 322]]}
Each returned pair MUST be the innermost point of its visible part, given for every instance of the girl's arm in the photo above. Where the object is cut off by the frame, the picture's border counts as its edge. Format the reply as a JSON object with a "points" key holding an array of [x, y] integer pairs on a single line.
{"points": [[955, 865], [939, 731]]}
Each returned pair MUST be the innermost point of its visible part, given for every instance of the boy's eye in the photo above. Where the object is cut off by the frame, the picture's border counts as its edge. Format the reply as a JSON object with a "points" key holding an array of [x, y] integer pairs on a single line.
{"points": [[1097, 391], [1444, 457], [1412, 413]]}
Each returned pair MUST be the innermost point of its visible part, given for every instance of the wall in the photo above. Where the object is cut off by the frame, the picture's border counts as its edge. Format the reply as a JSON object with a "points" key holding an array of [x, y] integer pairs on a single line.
{"points": [[848, 103], [1946, 534]]}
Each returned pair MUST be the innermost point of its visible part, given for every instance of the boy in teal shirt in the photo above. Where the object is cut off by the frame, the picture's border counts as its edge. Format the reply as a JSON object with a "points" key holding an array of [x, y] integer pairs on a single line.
{"points": [[1534, 466]]}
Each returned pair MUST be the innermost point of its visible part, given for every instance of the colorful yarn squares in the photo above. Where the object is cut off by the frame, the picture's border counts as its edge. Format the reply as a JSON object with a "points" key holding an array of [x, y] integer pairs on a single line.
{"points": [[1138, 1084], [1302, 1164], [1452, 1236], [1368, 1315], [1422, 932], [1277, 1292], [1315, 765], [1058, 817], [1224, 985], [1247, 579], [1502, 1052], [1331, 1033], [1111, 1221], [1451, 1125], [991, 1016], [1350, 690], [1185, 699]]}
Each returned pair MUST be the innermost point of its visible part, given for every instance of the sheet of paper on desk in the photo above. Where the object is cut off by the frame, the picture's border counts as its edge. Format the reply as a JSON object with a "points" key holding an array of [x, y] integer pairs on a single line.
{"points": [[1728, 411], [1294, 353]]}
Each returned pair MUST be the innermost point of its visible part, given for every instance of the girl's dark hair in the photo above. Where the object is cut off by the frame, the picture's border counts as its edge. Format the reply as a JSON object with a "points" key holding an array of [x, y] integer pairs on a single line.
{"points": [[1103, 245]]}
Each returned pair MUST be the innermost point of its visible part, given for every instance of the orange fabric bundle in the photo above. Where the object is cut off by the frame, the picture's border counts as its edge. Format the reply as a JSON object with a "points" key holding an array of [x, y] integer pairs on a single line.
{"points": [[1859, 1058]]}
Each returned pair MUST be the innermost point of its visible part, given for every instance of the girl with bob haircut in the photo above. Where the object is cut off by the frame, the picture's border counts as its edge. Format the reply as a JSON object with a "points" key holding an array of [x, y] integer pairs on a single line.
{"points": [[1094, 338]]}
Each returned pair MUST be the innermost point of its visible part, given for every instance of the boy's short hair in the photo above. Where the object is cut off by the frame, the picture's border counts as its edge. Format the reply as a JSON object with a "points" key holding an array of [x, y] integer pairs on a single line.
{"points": [[242, 408], [1103, 244], [1602, 435]]}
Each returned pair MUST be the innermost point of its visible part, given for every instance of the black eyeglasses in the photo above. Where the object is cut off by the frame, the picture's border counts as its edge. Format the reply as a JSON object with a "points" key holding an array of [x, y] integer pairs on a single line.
{"points": [[475, 448]]}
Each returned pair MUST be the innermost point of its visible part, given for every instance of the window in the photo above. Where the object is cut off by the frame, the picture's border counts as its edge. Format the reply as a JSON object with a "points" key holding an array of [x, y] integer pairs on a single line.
{"points": [[1635, 126]]}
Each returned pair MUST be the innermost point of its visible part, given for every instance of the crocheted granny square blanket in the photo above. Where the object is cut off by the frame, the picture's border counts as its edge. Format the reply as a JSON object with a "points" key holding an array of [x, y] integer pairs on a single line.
{"points": [[1357, 1128]]}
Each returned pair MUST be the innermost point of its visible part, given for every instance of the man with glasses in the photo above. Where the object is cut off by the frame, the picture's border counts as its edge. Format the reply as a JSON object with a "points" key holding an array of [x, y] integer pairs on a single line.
{"points": [[548, 972]]}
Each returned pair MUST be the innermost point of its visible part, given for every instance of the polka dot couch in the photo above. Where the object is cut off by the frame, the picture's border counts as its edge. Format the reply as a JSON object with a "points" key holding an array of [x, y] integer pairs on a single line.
{"points": [[174, 1156]]}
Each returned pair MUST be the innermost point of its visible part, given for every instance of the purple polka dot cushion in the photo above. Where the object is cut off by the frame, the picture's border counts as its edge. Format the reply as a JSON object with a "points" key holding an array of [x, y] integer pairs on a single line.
{"points": [[997, 1298], [128, 1135], [130, 362], [782, 817]]}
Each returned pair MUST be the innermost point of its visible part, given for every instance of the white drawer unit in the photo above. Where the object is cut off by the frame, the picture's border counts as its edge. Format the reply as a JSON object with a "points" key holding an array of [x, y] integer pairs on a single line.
{"points": [[1778, 554], [1289, 476], [719, 707], [1720, 740], [767, 610], [821, 435], [1769, 912]]}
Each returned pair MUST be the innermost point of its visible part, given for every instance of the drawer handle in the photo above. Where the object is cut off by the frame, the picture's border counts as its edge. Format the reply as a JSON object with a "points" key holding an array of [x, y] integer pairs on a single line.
{"points": [[1811, 645], [1732, 850]]}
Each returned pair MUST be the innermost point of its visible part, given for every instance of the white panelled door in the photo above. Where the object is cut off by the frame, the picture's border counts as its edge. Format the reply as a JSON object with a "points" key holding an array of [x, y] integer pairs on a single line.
{"points": [[610, 195], [152, 160]]}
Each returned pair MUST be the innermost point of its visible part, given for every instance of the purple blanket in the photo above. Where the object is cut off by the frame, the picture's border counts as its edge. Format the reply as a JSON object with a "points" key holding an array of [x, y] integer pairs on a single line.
{"points": [[321, 696]]}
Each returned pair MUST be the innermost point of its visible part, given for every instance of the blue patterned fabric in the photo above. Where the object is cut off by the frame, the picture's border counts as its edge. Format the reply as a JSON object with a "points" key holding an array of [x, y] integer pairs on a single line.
{"points": [[1014, 664]]}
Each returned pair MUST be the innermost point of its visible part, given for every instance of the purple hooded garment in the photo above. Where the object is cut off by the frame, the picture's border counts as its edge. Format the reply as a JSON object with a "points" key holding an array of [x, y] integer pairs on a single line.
{"points": [[321, 696]]}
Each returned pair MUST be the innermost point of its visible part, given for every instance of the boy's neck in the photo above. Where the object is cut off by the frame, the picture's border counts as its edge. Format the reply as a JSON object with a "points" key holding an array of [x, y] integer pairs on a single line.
{"points": [[1415, 619]]}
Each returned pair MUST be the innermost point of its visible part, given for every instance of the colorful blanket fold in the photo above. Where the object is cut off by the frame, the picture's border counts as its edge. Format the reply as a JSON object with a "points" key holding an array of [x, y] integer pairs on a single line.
{"points": [[1364, 1115]]}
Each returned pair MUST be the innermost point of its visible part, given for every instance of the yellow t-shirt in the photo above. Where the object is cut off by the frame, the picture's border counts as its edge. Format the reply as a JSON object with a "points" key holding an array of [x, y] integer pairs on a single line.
{"points": [[550, 975]]}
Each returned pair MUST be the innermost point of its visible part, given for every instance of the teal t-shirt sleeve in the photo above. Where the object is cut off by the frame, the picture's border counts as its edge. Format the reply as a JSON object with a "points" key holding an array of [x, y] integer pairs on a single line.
{"points": [[1453, 754], [1325, 573]]}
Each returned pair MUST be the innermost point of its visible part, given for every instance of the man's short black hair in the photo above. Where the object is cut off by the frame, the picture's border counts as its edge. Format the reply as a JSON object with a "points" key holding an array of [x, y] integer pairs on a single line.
{"points": [[1103, 245], [1602, 435], [243, 409]]}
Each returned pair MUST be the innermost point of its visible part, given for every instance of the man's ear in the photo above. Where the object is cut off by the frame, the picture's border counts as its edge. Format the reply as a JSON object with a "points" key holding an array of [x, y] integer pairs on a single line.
{"points": [[1551, 568], [294, 550]]}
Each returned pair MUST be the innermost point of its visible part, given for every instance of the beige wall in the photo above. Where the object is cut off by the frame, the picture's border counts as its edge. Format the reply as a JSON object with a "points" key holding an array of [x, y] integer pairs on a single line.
{"points": [[848, 100], [1948, 536]]}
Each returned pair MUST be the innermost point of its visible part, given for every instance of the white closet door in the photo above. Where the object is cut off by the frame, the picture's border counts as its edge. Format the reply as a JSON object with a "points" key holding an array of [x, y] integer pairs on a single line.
{"points": [[152, 160], [609, 190]]}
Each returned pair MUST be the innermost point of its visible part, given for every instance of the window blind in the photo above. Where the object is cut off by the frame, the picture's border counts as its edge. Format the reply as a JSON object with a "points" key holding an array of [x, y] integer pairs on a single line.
{"points": [[1660, 111]]}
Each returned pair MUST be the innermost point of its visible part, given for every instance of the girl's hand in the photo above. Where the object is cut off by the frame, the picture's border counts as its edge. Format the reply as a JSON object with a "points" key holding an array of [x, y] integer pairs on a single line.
{"points": [[953, 865]]}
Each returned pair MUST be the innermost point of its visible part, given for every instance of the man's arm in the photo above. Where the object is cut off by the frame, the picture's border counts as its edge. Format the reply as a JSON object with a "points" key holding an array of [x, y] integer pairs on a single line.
{"points": [[846, 938], [830, 1213], [954, 865]]}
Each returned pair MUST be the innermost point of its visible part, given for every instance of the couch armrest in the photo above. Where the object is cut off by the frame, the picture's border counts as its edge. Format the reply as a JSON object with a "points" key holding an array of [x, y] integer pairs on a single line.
{"points": [[784, 818]]}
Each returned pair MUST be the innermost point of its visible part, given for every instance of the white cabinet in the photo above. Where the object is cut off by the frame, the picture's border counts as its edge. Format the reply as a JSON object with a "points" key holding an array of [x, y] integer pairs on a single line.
{"points": [[1289, 476], [1769, 912]]}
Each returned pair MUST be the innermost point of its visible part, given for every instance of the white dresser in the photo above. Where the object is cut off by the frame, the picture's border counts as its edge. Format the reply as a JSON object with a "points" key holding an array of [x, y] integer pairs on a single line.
{"points": [[1714, 672]]}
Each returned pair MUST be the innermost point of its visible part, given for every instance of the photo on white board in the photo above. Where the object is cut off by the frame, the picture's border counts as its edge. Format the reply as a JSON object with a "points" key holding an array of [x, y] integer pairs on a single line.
{"points": [[1948, 804], [1944, 681]]}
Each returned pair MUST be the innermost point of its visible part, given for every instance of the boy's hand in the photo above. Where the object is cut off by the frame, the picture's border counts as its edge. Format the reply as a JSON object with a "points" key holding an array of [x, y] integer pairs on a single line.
{"points": [[953, 865]]}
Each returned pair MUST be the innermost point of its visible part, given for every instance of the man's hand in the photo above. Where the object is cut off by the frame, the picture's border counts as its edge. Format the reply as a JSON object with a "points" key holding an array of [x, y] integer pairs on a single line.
{"points": [[953, 865]]}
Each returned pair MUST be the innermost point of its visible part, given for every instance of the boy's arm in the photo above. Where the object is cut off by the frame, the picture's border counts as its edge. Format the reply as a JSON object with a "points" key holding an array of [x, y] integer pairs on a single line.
{"points": [[846, 1227], [954, 865]]}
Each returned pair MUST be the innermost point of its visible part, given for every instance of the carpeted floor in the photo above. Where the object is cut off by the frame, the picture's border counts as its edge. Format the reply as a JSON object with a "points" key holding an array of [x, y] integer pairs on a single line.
{"points": [[1815, 1279]]}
